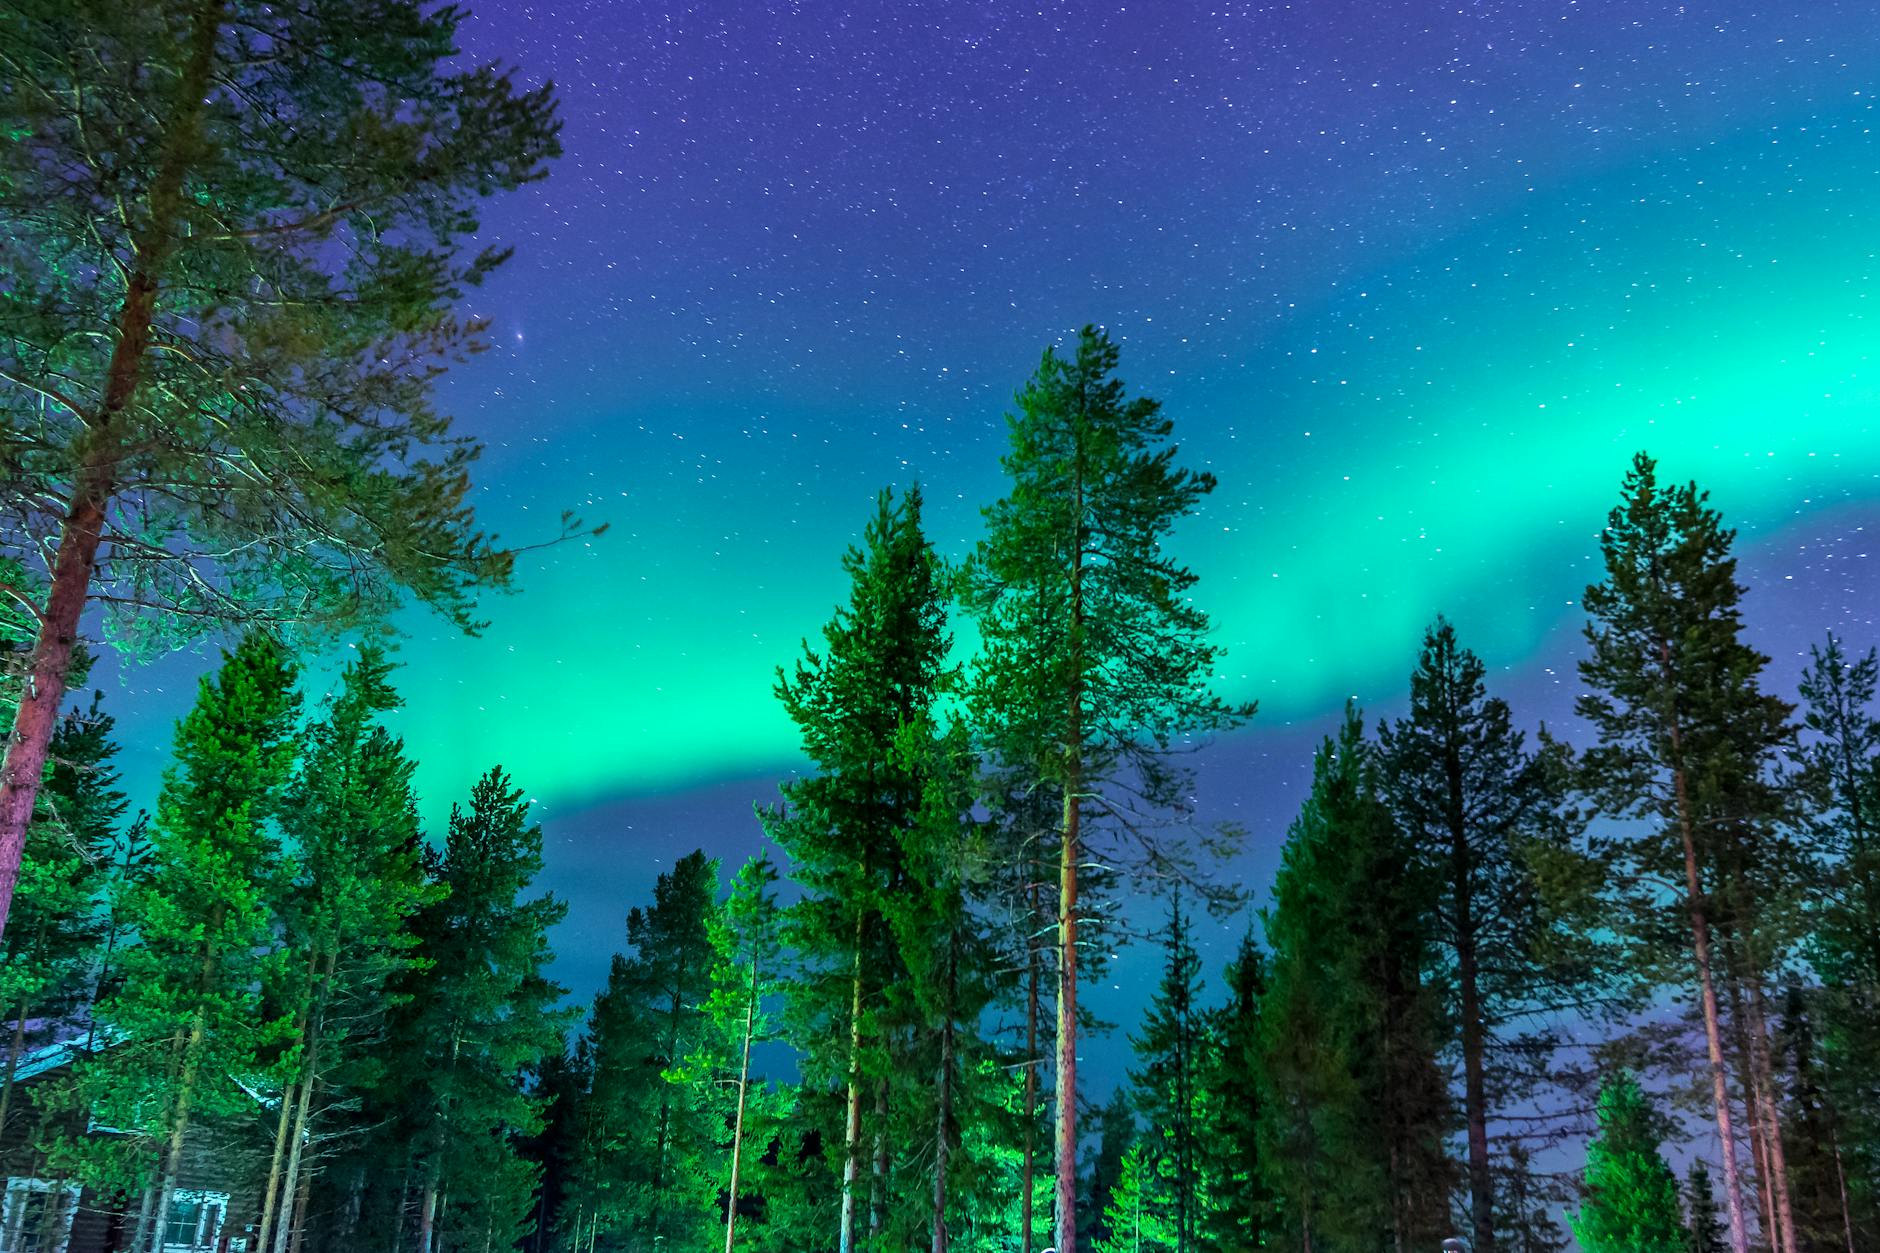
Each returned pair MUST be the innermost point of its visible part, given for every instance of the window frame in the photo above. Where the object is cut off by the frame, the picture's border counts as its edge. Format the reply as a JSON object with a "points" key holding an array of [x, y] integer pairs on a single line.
{"points": [[20, 1187], [203, 1199]]}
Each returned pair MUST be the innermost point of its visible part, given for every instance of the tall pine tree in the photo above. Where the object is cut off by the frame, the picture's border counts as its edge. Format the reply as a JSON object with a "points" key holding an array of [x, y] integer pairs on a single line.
{"points": [[1094, 657]]}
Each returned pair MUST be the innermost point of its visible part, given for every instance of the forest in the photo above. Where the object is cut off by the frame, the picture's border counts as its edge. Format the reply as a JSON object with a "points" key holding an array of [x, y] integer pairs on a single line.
{"points": [[1613, 987]]}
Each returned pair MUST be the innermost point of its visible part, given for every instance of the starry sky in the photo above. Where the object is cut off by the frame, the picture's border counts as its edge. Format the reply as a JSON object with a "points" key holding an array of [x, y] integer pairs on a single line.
{"points": [[1414, 279]]}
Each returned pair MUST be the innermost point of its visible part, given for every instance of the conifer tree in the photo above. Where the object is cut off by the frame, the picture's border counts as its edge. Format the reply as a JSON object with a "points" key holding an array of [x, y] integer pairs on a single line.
{"points": [[358, 879], [1470, 798], [1116, 1131], [49, 958], [1352, 1108], [1631, 1196], [1241, 1210], [1171, 1056], [480, 1017], [1841, 761], [1703, 1231], [649, 1173], [187, 1020], [220, 334], [747, 943], [1094, 657], [1687, 740], [1137, 1214], [844, 827]]}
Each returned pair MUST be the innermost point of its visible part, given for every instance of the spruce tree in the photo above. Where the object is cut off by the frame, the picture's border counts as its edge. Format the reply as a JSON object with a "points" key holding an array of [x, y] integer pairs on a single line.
{"points": [[1171, 1056], [1631, 1196], [1704, 1232], [844, 827], [1116, 1131], [649, 1174], [1240, 1214], [1352, 1109], [220, 332], [1841, 762], [186, 1023], [479, 1019], [351, 819], [1471, 799], [1689, 742], [1094, 658], [1137, 1215], [747, 943], [51, 956]]}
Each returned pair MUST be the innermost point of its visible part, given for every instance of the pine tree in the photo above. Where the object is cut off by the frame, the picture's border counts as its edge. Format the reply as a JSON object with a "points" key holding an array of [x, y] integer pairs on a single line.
{"points": [[1094, 657], [1171, 1056], [187, 1020], [1631, 1196], [1687, 740], [1704, 1232], [1525, 1209], [1471, 798], [220, 334], [358, 880], [1352, 1108], [844, 828], [1241, 1212], [479, 1018]]}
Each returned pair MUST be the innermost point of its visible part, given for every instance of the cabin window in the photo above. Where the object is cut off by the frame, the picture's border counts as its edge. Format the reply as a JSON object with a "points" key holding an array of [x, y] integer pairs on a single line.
{"points": [[194, 1221], [36, 1216]]}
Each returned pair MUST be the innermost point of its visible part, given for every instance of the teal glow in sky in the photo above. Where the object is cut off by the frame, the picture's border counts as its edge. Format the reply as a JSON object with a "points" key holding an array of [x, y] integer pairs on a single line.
{"points": [[1413, 280]]}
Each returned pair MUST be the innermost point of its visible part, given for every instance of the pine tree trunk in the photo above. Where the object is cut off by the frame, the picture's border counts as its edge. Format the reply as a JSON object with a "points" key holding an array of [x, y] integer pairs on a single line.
{"points": [[427, 1215], [878, 1166], [1474, 1042], [270, 1196], [13, 1065], [737, 1126], [1032, 978], [1713, 1030], [1066, 1076], [99, 457], [1752, 1107], [943, 1119], [297, 1222], [288, 1220], [852, 1131], [179, 1128], [141, 1240], [1840, 1178], [1771, 1115]]}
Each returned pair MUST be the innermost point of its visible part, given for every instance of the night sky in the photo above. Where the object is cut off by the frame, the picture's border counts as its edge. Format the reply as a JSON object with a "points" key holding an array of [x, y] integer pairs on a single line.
{"points": [[1413, 279]]}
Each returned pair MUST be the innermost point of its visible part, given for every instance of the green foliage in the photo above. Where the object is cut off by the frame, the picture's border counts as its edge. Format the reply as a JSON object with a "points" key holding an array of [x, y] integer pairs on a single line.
{"points": [[187, 1020], [1241, 1209], [478, 1018], [1138, 1216], [1704, 1230], [650, 1165], [1172, 1053], [224, 330], [1631, 1196], [1475, 806], [1353, 1112]]}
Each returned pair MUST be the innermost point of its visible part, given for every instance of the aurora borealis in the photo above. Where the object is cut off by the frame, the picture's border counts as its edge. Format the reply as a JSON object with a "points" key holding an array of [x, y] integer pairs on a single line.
{"points": [[1413, 280]]}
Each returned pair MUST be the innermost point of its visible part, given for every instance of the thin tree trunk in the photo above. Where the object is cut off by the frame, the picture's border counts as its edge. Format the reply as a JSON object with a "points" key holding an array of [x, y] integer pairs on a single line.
{"points": [[13, 1066], [878, 1166], [271, 1194], [98, 457], [737, 1126], [1840, 1178], [288, 1221], [179, 1127], [1752, 1104], [1713, 1031], [943, 1119], [1032, 978], [296, 1223], [852, 1132], [1771, 1115], [141, 1240], [427, 1215], [1066, 1076]]}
